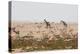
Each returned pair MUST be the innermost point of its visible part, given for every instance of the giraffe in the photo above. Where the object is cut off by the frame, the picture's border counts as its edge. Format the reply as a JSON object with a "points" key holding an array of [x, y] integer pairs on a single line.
{"points": [[64, 28], [64, 23], [47, 24]]}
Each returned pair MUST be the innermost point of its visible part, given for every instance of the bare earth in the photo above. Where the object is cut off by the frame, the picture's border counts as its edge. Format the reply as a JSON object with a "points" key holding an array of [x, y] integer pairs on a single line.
{"points": [[40, 33]]}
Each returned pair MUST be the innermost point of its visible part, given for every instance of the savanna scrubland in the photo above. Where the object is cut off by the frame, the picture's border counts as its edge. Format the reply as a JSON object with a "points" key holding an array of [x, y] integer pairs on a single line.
{"points": [[38, 36]]}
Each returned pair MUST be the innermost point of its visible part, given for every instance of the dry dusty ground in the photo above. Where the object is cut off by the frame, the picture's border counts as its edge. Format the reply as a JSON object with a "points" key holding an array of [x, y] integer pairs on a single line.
{"points": [[35, 36]]}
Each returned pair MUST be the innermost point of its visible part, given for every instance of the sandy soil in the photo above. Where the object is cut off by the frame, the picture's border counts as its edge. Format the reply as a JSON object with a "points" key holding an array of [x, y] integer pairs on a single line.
{"points": [[39, 29]]}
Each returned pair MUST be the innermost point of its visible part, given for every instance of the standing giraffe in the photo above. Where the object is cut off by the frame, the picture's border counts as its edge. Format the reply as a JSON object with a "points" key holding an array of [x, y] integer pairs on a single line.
{"points": [[47, 24], [64, 23], [64, 28]]}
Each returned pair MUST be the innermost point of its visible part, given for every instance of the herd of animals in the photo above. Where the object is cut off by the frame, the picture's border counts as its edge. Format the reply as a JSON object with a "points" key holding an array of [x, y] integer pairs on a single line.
{"points": [[49, 36]]}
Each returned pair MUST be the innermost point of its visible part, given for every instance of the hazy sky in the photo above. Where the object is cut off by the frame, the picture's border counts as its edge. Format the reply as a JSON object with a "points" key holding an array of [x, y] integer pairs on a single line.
{"points": [[36, 12]]}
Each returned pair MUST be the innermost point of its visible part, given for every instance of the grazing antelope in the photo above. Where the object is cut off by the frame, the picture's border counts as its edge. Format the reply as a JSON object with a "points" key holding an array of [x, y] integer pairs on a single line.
{"points": [[47, 24]]}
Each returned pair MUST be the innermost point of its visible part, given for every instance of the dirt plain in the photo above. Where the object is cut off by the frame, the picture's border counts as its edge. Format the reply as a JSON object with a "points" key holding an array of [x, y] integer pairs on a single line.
{"points": [[34, 36]]}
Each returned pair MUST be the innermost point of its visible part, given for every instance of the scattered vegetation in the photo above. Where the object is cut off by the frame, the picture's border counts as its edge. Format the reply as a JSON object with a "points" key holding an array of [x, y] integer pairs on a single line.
{"points": [[48, 39]]}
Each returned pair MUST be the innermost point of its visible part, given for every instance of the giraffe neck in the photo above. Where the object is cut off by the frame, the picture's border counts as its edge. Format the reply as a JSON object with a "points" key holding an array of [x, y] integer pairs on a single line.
{"points": [[45, 21]]}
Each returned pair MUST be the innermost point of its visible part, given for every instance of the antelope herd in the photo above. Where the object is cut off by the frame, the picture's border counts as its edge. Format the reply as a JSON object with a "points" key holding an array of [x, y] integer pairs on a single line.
{"points": [[44, 35]]}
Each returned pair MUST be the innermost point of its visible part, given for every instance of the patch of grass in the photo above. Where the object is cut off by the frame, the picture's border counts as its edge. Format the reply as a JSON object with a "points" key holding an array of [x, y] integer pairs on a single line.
{"points": [[33, 45]]}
